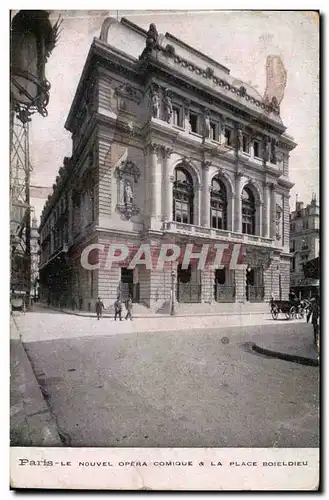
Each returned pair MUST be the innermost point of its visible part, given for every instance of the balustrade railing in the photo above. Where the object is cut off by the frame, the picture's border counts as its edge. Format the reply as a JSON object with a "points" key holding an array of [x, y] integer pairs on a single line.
{"points": [[214, 233]]}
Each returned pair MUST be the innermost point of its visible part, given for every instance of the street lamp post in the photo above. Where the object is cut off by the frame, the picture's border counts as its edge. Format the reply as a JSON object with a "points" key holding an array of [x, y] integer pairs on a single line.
{"points": [[172, 309]]}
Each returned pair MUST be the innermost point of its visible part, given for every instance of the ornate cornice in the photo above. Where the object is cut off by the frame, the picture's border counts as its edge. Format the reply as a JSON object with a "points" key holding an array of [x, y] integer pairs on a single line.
{"points": [[208, 74]]}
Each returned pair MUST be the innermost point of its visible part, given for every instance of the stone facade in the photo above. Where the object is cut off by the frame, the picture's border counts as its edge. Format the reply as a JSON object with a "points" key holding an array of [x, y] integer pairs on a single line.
{"points": [[144, 114], [304, 244]]}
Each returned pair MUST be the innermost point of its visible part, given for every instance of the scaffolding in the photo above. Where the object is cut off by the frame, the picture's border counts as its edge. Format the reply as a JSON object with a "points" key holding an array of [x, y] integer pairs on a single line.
{"points": [[20, 210]]}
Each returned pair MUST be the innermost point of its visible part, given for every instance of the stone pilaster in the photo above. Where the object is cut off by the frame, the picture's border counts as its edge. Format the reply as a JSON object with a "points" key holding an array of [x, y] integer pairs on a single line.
{"points": [[207, 288], [197, 209], [259, 218], [285, 278], [152, 178], [168, 187], [273, 211], [205, 212], [266, 211], [240, 285], [237, 204], [272, 280]]}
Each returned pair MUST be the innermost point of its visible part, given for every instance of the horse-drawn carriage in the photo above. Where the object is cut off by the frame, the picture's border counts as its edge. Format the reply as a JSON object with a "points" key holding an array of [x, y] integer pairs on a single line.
{"points": [[292, 309]]}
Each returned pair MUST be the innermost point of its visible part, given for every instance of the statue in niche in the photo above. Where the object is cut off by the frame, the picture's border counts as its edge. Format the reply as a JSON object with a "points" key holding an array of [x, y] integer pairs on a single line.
{"points": [[206, 126], [187, 124], [266, 149], [167, 107], [155, 102], [128, 196], [239, 139]]}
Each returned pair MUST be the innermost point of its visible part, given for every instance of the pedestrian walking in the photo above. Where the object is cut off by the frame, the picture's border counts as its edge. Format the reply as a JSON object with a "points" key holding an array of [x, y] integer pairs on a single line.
{"points": [[99, 308], [129, 307], [315, 318], [118, 308]]}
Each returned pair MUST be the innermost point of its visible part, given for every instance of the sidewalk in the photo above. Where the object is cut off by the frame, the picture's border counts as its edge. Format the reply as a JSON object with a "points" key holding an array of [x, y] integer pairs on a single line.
{"points": [[165, 313], [31, 423], [296, 347]]}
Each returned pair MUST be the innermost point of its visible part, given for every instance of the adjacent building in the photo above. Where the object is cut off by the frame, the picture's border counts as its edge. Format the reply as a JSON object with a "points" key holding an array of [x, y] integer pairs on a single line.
{"points": [[304, 246], [167, 146]]}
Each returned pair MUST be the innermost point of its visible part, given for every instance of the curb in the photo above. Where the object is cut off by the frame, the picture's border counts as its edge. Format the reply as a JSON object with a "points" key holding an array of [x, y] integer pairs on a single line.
{"points": [[37, 418], [157, 315], [286, 357]]}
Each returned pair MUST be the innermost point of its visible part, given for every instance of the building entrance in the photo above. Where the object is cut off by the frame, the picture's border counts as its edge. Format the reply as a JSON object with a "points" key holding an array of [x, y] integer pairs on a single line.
{"points": [[254, 284], [224, 289], [127, 285], [188, 284]]}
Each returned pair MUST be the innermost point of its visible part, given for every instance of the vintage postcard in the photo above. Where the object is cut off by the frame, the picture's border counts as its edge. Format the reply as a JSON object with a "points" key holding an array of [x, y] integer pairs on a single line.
{"points": [[164, 245]]}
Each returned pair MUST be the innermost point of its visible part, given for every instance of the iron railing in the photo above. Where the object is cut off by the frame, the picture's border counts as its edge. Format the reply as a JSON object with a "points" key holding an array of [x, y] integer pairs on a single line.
{"points": [[224, 293], [187, 292], [255, 293]]}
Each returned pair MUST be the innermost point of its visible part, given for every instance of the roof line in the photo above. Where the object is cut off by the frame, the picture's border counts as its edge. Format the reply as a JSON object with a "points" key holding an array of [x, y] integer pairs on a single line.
{"points": [[197, 52]]}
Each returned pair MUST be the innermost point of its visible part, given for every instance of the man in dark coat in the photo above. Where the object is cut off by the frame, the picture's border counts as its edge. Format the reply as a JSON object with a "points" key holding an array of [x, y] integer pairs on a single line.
{"points": [[129, 307], [315, 308], [118, 309], [99, 308]]}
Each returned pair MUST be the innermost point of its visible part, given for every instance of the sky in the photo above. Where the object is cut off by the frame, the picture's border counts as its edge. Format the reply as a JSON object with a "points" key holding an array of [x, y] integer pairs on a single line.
{"points": [[240, 40]]}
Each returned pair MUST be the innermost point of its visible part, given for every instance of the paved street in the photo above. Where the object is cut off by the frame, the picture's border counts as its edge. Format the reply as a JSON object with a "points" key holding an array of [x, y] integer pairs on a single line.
{"points": [[182, 383]]}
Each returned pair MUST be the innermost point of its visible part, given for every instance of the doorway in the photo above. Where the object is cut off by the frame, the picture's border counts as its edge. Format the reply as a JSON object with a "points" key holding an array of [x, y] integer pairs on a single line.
{"points": [[127, 285]]}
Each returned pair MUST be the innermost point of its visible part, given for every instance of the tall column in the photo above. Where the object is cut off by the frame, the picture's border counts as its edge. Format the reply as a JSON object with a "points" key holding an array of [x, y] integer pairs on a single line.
{"points": [[266, 211], [197, 204], [153, 179], [230, 211], [273, 211], [205, 213], [167, 206], [260, 206], [238, 214]]}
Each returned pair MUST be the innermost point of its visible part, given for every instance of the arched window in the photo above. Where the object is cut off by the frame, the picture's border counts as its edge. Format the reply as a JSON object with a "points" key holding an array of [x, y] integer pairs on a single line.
{"points": [[218, 204], [183, 196], [248, 211]]}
